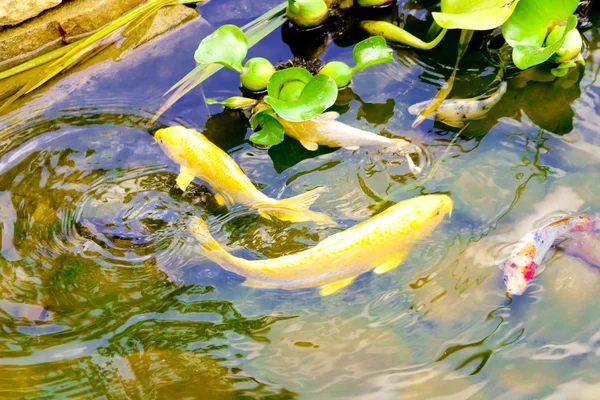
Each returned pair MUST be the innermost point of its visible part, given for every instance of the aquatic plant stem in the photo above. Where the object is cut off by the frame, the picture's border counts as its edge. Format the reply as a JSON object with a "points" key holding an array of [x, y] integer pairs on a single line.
{"points": [[463, 44], [396, 34]]}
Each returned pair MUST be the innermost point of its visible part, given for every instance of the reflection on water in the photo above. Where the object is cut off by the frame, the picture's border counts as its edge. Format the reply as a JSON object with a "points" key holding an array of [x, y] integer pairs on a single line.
{"points": [[104, 294]]}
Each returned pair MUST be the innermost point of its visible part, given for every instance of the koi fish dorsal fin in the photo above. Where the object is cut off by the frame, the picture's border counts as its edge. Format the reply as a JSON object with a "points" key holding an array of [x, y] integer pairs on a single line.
{"points": [[312, 146], [390, 264], [328, 116], [184, 178], [335, 287]]}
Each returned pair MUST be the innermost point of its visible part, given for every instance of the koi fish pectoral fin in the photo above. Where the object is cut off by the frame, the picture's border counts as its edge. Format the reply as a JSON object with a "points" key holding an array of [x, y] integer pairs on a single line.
{"points": [[312, 146], [223, 199], [259, 284], [184, 178], [389, 265], [335, 287]]}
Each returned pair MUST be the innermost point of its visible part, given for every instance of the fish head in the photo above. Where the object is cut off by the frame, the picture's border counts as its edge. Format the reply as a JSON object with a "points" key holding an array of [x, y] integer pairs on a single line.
{"points": [[175, 141], [429, 211]]}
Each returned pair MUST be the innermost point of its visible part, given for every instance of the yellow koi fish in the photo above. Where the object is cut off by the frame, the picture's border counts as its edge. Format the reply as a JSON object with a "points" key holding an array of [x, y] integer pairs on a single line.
{"points": [[325, 131], [199, 157], [380, 243]]}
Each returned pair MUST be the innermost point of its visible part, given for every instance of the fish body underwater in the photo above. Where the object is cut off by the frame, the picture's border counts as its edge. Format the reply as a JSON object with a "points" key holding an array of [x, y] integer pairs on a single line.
{"points": [[324, 130], [199, 157], [456, 112], [527, 256], [379, 244]]}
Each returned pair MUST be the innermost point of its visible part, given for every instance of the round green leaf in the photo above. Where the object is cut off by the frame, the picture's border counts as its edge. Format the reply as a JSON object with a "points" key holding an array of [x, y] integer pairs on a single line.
{"points": [[372, 51], [525, 56], [475, 15], [318, 95], [227, 46], [532, 19], [280, 78]]}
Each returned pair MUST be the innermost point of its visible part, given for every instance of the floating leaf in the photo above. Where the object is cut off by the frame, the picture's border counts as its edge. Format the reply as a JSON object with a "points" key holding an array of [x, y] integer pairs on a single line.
{"points": [[280, 78], [318, 95], [478, 15], [235, 102], [527, 56], [528, 26], [271, 131], [227, 46], [372, 51]]}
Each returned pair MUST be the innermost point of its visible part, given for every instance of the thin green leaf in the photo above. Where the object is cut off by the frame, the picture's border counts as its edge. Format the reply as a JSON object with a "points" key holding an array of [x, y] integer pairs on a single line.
{"points": [[318, 95], [396, 34], [478, 15], [372, 51], [227, 46], [527, 56], [463, 44], [255, 31], [85, 46]]}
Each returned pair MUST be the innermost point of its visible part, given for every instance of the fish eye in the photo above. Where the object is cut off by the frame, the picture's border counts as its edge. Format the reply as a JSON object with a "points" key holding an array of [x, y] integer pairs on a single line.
{"points": [[437, 213], [505, 278]]}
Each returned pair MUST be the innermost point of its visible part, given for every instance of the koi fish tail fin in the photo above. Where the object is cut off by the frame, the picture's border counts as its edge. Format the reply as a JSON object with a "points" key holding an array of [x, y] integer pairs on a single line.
{"points": [[406, 148], [211, 248], [296, 209]]}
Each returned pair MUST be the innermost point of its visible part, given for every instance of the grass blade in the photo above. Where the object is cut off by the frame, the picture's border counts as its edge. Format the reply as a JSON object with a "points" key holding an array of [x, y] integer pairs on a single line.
{"points": [[255, 31], [465, 38], [83, 47]]}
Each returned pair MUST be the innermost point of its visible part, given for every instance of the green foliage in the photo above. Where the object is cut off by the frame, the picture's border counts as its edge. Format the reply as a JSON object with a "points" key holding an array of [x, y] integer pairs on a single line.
{"points": [[256, 74], [474, 15], [235, 102], [318, 95], [370, 52], [271, 131], [227, 46], [528, 26], [396, 34], [307, 13], [339, 71]]}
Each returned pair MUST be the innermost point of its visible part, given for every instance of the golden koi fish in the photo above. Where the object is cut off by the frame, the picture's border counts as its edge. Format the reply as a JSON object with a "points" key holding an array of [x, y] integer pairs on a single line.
{"points": [[455, 112], [198, 157], [380, 243], [325, 131]]}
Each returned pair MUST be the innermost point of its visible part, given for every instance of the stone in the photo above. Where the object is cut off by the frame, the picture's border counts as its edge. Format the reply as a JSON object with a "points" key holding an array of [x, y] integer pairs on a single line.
{"points": [[55, 28], [13, 12]]}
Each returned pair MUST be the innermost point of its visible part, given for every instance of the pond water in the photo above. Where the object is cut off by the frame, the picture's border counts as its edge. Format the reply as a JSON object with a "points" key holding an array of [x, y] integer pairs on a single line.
{"points": [[103, 293]]}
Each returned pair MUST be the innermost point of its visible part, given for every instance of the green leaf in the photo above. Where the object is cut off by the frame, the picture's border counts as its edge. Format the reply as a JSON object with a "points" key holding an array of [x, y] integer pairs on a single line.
{"points": [[235, 102], [526, 56], [280, 78], [372, 51], [396, 34], [532, 20], [318, 95], [271, 132], [479, 15], [227, 46]]}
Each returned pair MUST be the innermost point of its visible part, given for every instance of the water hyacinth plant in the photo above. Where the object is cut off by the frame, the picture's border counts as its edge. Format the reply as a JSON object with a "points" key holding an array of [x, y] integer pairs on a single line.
{"points": [[293, 94]]}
